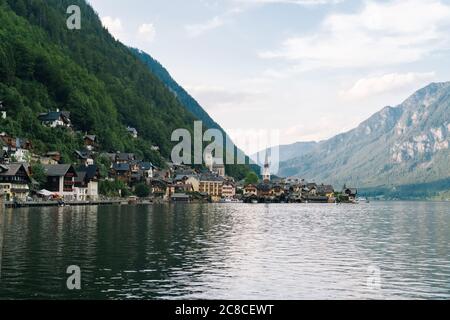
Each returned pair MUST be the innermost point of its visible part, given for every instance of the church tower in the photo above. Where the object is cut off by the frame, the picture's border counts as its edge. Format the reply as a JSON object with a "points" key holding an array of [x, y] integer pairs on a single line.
{"points": [[266, 171]]}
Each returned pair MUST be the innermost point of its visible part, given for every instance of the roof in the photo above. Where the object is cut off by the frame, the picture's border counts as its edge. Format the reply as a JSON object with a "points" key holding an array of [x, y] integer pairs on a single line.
{"points": [[11, 169], [90, 137], [125, 156], [132, 130], [90, 172], [146, 165], [121, 167], [54, 115], [57, 170], [80, 154], [211, 178], [325, 189], [264, 187], [351, 190]]}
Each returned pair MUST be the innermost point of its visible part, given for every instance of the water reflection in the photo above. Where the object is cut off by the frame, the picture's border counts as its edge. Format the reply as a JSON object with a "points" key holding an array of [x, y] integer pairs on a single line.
{"points": [[229, 251]]}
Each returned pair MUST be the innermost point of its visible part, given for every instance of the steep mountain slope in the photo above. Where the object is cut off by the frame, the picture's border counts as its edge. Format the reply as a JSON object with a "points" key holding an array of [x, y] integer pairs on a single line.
{"points": [[183, 96], [192, 105], [45, 66], [105, 87], [408, 144]]}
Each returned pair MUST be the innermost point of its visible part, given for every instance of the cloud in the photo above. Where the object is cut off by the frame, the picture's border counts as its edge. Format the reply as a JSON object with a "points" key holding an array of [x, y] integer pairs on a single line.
{"points": [[195, 30], [380, 34], [297, 2], [147, 32], [385, 83], [215, 98], [114, 26]]}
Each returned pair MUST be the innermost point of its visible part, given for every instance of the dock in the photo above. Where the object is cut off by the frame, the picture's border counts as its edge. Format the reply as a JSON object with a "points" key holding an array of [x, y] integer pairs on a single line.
{"points": [[32, 204]]}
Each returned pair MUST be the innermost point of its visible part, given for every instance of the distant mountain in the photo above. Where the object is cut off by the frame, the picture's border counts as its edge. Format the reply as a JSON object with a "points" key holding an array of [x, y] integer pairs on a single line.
{"points": [[287, 152], [402, 145]]}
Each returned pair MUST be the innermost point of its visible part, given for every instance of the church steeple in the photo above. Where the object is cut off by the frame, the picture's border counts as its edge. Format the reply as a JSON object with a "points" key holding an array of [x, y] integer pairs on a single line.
{"points": [[266, 171]]}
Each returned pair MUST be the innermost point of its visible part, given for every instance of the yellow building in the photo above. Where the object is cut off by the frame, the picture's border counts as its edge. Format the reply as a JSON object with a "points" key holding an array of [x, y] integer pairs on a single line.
{"points": [[212, 186]]}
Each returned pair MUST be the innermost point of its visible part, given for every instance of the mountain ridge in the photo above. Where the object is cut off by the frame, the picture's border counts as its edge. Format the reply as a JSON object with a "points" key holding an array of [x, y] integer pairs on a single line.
{"points": [[398, 145]]}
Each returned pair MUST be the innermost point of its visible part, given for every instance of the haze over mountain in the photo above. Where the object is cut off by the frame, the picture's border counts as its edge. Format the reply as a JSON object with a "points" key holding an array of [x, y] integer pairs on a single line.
{"points": [[406, 144]]}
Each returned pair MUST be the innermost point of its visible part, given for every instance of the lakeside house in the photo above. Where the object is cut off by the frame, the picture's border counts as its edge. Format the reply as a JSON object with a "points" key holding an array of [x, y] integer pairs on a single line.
{"points": [[250, 190], [86, 183], [54, 119], [61, 180], [14, 181], [228, 190], [350, 194], [211, 185]]}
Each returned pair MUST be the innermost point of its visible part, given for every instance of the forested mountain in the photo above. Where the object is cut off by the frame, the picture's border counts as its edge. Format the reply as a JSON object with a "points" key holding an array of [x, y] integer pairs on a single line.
{"points": [[45, 66], [190, 104], [403, 145], [183, 96]]}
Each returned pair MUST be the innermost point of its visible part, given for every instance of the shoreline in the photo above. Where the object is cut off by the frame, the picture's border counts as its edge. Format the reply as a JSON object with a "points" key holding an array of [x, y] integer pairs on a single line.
{"points": [[124, 202]]}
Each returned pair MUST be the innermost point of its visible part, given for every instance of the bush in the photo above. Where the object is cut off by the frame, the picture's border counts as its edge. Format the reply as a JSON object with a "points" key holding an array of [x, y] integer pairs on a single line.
{"points": [[142, 190]]}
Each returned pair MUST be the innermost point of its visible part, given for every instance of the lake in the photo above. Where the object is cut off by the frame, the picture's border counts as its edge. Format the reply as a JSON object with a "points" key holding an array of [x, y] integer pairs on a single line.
{"points": [[379, 250]]}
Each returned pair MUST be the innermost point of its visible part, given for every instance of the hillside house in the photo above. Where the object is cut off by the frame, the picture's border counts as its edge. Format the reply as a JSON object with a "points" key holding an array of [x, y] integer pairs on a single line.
{"points": [[90, 141], [133, 132], [54, 119], [122, 172], [2, 110]]}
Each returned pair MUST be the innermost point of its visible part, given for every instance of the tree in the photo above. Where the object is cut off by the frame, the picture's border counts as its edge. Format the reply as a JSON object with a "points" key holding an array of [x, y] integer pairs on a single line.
{"points": [[251, 178], [38, 174], [142, 190]]}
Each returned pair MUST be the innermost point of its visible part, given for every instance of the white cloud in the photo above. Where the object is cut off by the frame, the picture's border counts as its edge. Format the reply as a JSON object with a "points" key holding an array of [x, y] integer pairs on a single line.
{"points": [[147, 32], [114, 26], [380, 34], [389, 82], [195, 30], [215, 97], [298, 2]]}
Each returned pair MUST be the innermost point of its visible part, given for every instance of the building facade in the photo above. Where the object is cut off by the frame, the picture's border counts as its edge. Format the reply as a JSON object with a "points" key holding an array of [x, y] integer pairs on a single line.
{"points": [[14, 181]]}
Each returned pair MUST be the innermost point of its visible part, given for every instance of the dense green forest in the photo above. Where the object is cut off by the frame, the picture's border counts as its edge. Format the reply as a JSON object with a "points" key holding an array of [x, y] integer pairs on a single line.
{"points": [[45, 66]]}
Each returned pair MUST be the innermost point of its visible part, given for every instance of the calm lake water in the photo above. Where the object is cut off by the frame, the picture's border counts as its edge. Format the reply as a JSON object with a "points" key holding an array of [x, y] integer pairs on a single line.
{"points": [[381, 250]]}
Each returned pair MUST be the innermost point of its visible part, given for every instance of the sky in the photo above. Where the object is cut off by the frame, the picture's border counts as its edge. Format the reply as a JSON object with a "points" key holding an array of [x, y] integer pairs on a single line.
{"points": [[308, 69]]}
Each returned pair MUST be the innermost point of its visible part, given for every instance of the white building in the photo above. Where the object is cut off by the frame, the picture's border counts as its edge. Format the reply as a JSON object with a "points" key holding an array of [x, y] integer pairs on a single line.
{"points": [[86, 183], [55, 119]]}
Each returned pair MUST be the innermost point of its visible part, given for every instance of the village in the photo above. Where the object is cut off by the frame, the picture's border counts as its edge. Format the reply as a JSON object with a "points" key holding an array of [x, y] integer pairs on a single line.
{"points": [[137, 180]]}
